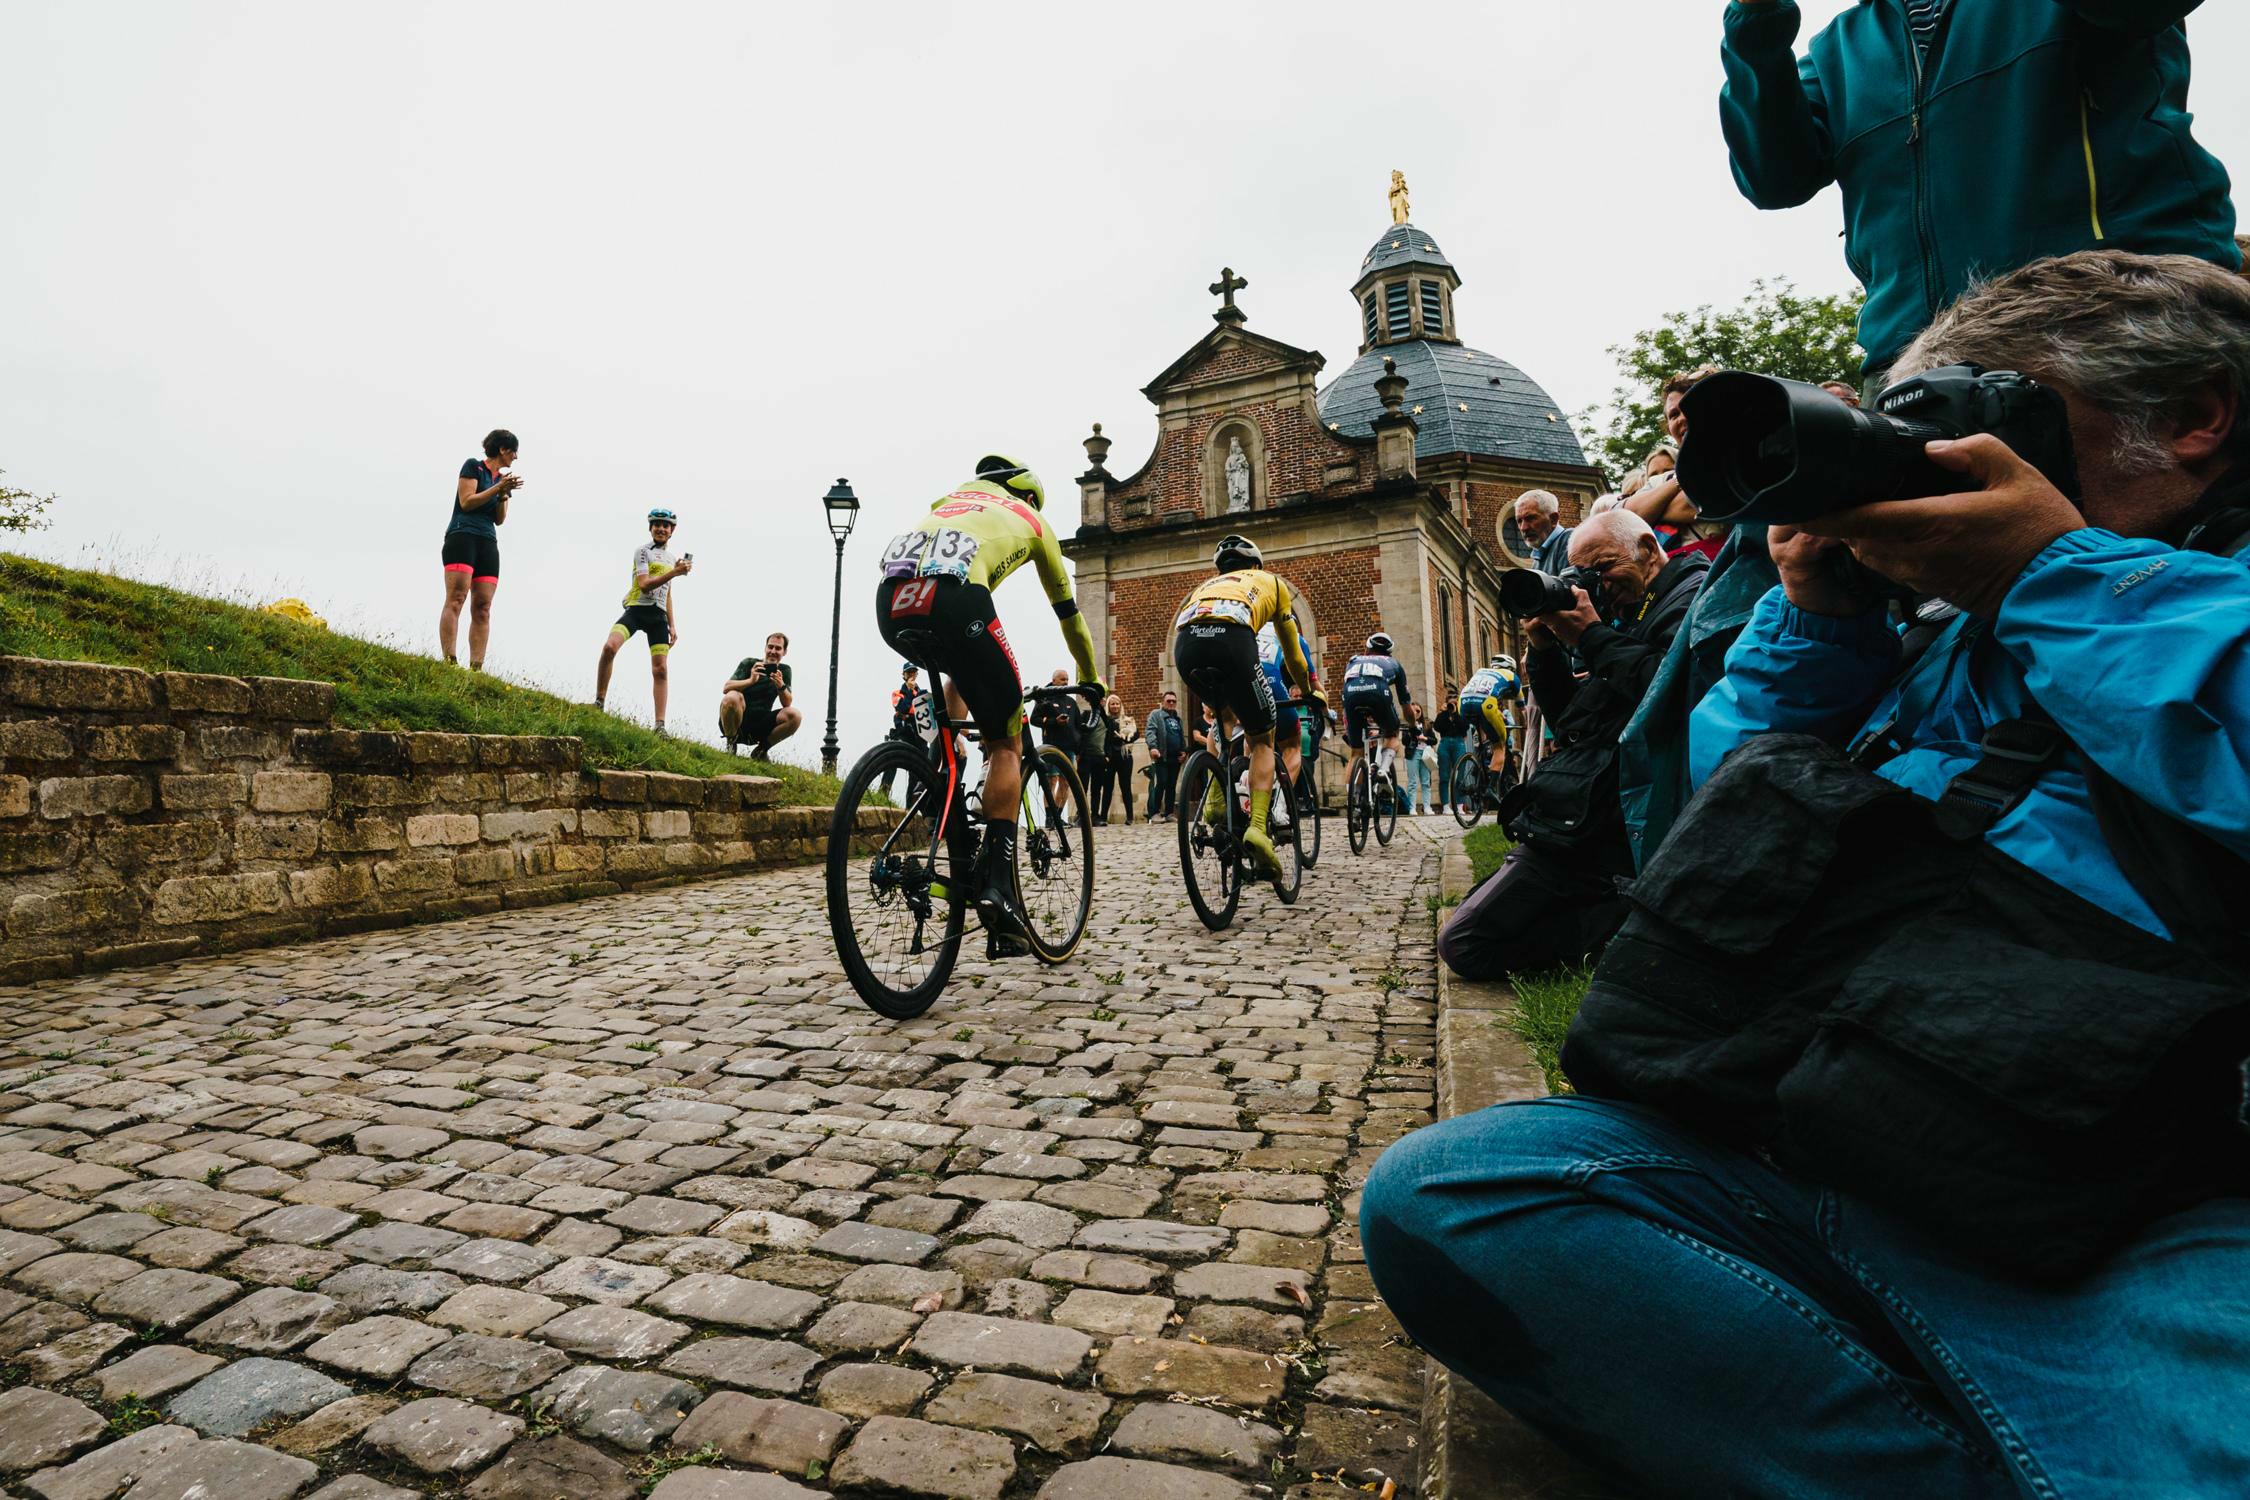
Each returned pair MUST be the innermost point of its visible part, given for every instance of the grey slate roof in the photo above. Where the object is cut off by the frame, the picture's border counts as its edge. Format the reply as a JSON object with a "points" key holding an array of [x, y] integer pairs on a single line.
{"points": [[1506, 416], [1403, 244]]}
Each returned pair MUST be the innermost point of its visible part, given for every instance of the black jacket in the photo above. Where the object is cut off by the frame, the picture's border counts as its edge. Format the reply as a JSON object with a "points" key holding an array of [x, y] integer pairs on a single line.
{"points": [[1621, 658]]}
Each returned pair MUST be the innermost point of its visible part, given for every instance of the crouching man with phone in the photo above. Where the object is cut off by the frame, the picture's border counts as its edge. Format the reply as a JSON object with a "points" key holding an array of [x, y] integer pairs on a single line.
{"points": [[754, 706]]}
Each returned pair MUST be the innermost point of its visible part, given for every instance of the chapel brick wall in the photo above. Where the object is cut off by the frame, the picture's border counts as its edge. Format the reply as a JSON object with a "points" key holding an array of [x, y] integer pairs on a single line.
{"points": [[1297, 453]]}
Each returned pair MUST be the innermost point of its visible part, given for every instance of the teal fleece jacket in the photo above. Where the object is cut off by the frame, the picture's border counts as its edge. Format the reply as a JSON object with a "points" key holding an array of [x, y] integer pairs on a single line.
{"points": [[2042, 127]]}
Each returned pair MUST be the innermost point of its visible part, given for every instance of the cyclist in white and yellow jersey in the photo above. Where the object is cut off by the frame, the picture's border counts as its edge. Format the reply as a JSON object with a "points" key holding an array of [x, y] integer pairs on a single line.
{"points": [[936, 592], [1215, 647]]}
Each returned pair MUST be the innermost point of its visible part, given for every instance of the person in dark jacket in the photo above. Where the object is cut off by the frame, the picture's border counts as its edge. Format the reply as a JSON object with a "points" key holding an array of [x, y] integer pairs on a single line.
{"points": [[1167, 747], [1706, 1289], [1555, 900], [1972, 136]]}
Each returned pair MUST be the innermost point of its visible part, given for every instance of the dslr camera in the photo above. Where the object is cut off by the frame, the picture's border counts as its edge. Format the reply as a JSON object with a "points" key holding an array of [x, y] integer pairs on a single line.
{"points": [[1781, 451], [1525, 592]]}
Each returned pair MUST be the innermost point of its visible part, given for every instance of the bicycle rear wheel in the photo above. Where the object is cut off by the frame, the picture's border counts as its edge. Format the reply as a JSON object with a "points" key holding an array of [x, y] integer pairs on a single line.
{"points": [[1285, 826], [897, 916], [1358, 813], [1468, 790], [1385, 807], [1207, 849], [1306, 808], [1055, 863]]}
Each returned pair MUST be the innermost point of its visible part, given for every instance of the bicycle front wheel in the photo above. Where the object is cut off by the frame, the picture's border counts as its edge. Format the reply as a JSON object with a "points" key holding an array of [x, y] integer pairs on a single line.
{"points": [[1307, 809], [1055, 865], [1208, 845], [1468, 791], [896, 915], [1385, 808], [1358, 813], [1285, 826]]}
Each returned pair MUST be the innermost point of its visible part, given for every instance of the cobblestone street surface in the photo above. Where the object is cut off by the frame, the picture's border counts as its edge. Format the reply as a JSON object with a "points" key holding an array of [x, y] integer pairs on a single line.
{"points": [[635, 1196]]}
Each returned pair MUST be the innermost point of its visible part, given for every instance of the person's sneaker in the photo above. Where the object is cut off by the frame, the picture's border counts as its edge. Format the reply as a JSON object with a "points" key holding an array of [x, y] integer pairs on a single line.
{"points": [[1262, 850]]}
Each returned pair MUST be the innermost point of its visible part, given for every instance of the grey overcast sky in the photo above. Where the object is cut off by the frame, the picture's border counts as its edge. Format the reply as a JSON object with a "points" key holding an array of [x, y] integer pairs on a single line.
{"points": [[269, 271]]}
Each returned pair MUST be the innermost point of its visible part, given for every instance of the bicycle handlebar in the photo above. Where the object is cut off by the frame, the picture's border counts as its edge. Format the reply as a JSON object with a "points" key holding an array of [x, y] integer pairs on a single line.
{"points": [[1078, 690]]}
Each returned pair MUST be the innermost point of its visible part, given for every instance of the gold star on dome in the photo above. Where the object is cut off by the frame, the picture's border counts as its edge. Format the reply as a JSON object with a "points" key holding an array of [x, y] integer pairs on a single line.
{"points": [[1464, 406], [1332, 427], [1417, 409], [1394, 244]]}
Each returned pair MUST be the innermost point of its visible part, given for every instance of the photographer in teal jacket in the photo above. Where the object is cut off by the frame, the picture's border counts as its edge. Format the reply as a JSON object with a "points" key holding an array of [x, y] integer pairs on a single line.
{"points": [[1974, 136]]}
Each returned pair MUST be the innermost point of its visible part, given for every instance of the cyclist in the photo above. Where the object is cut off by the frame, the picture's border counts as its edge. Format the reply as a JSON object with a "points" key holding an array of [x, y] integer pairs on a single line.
{"points": [[1481, 705], [937, 581], [1288, 735], [1215, 646], [1369, 681], [648, 611]]}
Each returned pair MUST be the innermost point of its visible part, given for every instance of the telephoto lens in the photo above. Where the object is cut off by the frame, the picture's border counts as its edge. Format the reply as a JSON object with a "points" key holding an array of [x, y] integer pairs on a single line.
{"points": [[1525, 592]]}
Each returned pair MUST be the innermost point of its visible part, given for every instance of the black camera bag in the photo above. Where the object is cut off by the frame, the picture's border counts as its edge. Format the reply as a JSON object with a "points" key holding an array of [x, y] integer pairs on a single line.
{"points": [[1821, 964], [1570, 800]]}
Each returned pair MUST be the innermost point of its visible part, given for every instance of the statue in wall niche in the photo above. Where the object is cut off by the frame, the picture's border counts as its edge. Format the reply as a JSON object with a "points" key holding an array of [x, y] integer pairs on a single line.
{"points": [[1238, 476]]}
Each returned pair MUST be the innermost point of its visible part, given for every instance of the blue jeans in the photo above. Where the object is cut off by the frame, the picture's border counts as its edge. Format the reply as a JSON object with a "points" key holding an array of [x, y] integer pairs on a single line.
{"points": [[1449, 752], [1709, 1326], [1417, 781]]}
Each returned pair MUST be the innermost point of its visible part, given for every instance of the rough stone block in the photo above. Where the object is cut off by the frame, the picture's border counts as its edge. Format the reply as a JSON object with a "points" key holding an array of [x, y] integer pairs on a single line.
{"points": [[361, 835], [499, 827], [204, 693], [530, 786], [441, 749], [15, 797], [717, 827], [92, 796], [670, 824], [465, 786], [238, 741], [74, 684], [404, 875], [752, 791], [276, 838], [331, 885], [379, 791], [483, 867], [34, 739], [289, 698], [922, 1458], [132, 742], [290, 791], [74, 910], [621, 786], [40, 849], [217, 898], [683, 856], [203, 793], [636, 859], [669, 786], [351, 749], [441, 828], [538, 860], [601, 823], [576, 858]]}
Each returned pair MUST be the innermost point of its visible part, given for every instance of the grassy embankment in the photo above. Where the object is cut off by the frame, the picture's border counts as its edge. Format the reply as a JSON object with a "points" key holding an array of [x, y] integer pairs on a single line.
{"points": [[67, 614], [1546, 1001]]}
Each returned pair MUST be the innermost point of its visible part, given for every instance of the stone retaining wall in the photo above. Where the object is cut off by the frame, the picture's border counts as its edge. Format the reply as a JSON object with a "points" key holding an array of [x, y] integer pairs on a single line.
{"points": [[149, 817]]}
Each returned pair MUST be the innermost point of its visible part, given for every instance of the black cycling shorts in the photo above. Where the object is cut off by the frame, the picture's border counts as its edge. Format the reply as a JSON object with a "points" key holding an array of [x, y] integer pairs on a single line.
{"points": [[946, 625], [649, 620], [472, 553], [757, 725], [1219, 659], [1383, 709]]}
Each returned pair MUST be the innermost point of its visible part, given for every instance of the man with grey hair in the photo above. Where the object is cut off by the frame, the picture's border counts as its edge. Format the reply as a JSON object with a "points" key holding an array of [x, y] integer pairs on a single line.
{"points": [[1555, 899], [1538, 517], [1908, 1156]]}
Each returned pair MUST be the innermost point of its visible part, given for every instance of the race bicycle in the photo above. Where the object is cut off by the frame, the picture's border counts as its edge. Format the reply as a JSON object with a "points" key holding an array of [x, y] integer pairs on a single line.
{"points": [[898, 917], [1213, 860], [1371, 797], [1477, 786]]}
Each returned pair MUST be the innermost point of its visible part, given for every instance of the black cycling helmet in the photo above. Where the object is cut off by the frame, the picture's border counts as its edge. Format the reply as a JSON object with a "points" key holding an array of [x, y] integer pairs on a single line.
{"points": [[999, 469], [1237, 552]]}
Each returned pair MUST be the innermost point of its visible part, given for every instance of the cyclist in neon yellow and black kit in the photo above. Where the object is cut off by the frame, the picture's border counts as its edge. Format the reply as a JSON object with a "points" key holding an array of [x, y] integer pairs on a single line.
{"points": [[1215, 646], [936, 591]]}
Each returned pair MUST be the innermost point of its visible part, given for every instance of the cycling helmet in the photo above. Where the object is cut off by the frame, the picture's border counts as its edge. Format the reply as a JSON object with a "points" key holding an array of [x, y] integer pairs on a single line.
{"points": [[664, 513], [1503, 661], [1013, 477], [1237, 552], [1380, 644]]}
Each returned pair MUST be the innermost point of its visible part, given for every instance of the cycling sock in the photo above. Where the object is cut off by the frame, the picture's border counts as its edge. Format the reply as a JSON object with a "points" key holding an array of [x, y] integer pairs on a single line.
{"points": [[1213, 799], [1260, 801], [999, 846]]}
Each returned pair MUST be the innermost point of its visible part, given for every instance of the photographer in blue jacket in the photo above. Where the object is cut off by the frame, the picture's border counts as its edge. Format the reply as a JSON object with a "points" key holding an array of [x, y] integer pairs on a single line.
{"points": [[1909, 1154]]}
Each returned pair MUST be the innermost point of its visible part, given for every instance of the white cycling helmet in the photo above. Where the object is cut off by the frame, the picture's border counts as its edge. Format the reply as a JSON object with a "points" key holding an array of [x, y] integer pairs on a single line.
{"points": [[1380, 644], [1503, 661]]}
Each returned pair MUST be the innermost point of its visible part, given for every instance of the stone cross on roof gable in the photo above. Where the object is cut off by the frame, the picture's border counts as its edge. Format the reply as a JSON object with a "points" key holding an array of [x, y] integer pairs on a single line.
{"points": [[1226, 286]]}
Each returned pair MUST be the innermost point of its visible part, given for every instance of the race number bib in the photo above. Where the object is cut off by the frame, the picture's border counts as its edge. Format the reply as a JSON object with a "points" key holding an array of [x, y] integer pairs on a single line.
{"points": [[1371, 671], [903, 557], [950, 555], [1214, 610]]}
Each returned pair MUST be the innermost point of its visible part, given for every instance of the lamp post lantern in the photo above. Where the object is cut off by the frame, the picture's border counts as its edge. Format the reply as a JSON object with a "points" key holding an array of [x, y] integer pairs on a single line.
{"points": [[843, 509]]}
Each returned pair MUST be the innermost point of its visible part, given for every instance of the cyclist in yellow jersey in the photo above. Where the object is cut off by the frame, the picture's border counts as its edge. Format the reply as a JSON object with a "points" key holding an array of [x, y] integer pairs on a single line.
{"points": [[933, 605], [1215, 646]]}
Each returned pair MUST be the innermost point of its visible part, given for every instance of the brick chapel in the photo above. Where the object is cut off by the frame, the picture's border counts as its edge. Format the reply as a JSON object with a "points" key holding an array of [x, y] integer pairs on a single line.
{"points": [[1386, 497]]}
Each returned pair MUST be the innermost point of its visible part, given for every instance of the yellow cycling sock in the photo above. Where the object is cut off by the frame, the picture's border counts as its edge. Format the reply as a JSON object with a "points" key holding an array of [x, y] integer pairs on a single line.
{"points": [[1213, 797], [1260, 800]]}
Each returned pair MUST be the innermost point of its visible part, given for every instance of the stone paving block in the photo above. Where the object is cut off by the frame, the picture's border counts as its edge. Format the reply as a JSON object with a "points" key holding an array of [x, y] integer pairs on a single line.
{"points": [[379, 1348], [1057, 1419], [1175, 1432], [249, 1393], [874, 1243], [377, 1289], [605, 1332], [1109, 1478], [1117, 1273], [1164, 1367], [757, 1364], [764, 1227], [903, 1456], [975, 1341], [71, 1355], [1222, 1281], [272, 1320], [440, 1435], [40, 1428], [900, 1286], [360, 1487], [333, 1425], [631, 1408], [874, 1390], [75, 1277], [503, 1261], [389, 1243], [154, 1372], [1156, 1238], [719, 1484], [496, 1310], [736, 1301], [109, 1470], [1113, 1313], [599, 1280], [861, 1328], [301, 1224], [553, 1468], [759, 1430], [485, 1368]]}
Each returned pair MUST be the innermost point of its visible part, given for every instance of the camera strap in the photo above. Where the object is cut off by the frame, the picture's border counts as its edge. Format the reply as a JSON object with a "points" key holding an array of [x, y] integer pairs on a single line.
{"points": [[1929, 666]]}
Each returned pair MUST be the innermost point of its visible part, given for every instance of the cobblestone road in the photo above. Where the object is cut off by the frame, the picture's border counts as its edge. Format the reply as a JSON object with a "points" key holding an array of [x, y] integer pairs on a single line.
{"points": [[634, 1193]]}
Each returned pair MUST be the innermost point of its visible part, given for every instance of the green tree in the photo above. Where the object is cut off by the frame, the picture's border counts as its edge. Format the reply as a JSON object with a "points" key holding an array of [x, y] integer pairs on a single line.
{"points": [[1776, 330], [20, 509]]}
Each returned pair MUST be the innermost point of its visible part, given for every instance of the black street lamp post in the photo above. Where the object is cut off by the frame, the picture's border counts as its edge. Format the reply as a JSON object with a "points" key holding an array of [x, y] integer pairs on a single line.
{"points": [[843, 509]]}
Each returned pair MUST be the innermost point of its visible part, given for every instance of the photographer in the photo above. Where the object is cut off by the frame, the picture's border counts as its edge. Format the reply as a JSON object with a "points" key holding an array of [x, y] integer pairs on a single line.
{"points": [[1909, 1155], [1555, 899], [754, 706]]}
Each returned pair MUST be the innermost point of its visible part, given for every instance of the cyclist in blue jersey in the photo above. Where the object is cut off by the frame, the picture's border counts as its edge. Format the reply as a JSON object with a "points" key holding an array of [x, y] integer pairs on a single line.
{"points": [[1288, 731], [1481, 705], [1370, 680]]}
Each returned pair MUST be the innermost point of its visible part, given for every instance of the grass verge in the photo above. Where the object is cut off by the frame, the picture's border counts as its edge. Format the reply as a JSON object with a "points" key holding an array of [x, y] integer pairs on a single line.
{"points": [[1487, 844], [68, 614], [1546, 1003]]}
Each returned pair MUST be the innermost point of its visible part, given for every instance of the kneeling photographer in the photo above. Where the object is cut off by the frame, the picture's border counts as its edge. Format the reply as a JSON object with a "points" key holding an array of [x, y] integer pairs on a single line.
{"points": [[1909, 1156], [1555, 899]]}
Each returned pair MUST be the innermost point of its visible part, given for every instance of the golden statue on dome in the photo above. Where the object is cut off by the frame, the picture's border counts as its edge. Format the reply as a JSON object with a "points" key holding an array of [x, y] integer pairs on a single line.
{"points": [[1398, 197]]}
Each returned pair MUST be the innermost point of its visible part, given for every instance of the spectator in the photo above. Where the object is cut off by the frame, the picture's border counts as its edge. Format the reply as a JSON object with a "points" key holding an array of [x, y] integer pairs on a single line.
{"points": [[755, 706], [1555, 898], [1452, 744], [1124, 734], [1093, 758], [1659, 500], [472, 545], [2015, 129], [1415, 738], [1881, 1222], [1207, 732], [913, 715], [1538, 517], [1606, 502], [648, 611], [1842, 390], [1167, 747], [1057, 720]]}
